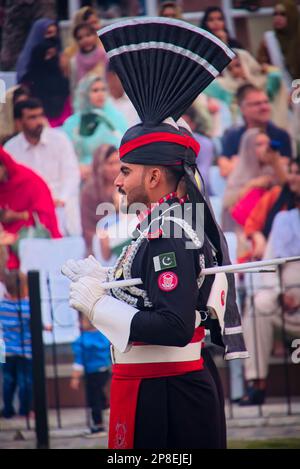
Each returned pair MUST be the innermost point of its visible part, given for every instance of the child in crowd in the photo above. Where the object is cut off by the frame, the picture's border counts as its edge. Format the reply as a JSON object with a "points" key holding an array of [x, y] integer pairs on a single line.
{"points": [[15, 325], [92, 358], [91, 57]]}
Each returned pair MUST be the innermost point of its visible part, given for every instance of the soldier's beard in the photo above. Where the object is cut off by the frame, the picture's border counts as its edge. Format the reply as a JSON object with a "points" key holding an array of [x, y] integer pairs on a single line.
{"points": [[137, 195]]}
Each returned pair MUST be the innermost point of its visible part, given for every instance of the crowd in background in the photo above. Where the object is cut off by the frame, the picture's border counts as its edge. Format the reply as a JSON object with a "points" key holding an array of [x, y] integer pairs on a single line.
{"points": [[62, 123]]}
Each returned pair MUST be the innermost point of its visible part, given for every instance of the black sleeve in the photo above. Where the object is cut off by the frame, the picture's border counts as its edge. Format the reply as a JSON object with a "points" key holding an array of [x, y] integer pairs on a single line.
{"points": [[171, 321]]}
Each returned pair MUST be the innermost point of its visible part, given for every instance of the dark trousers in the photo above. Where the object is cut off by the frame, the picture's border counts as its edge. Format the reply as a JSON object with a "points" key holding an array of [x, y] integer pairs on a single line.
{"points": [[95, 383], [180, 412], [17, 373]]}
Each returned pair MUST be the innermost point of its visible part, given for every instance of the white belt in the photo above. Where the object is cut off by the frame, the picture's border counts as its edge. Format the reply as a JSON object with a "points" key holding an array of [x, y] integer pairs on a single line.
{"points": [[157, 354]]}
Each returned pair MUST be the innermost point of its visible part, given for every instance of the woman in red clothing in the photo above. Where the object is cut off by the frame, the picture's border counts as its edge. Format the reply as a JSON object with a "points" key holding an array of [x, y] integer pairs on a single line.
{"points": [[259, 223], [23, 194]]}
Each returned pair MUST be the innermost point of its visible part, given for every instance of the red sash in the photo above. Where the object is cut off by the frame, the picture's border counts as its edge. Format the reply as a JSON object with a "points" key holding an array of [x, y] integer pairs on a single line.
{"points": [[124, 392]]}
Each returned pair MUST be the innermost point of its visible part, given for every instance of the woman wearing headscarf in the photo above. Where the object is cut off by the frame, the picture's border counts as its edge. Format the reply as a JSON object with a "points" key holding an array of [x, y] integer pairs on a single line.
{"points": [[245, 69], [99, 188], [258, 169], [214, 21], [43, 28], [86, 15], [259, 223], [95, 122], [47, 82], [19, 204], [280, 47], [90, 58]]}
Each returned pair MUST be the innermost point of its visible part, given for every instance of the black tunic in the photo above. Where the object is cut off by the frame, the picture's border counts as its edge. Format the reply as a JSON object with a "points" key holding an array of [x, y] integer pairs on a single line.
{"points": [[185, 411]]}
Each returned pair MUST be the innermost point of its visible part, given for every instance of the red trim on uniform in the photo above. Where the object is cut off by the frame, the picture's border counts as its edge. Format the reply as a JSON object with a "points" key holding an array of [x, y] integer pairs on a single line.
{"points": [[126, 381], [184, 199], [145, 213], [198, 335], [157, 234], [183, 140], [155, 370], [124, 393]]}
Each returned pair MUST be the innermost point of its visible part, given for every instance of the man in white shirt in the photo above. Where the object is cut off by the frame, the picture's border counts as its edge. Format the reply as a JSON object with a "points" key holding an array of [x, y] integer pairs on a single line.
{"points": [[49, 153]]}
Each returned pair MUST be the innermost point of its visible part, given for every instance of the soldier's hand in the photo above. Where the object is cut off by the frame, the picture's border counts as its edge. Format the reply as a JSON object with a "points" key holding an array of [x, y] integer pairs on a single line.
{"points": [[90, 267], [84, 294]]}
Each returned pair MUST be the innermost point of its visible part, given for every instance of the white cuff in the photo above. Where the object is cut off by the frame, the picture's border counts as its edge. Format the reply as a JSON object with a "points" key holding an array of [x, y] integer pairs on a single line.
{"points": [[218, 297], [113, 318]]}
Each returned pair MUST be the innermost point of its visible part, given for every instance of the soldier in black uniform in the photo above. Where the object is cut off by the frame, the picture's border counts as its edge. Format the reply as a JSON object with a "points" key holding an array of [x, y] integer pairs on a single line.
{"points": [[163, 395]]}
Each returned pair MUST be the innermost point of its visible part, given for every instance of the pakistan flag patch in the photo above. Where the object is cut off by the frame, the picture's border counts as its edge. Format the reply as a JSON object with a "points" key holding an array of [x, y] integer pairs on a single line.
{"points": [[164, 261]]}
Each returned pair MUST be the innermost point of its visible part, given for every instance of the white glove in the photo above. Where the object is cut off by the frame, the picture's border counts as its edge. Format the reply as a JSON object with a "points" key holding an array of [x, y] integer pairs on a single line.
{"points": [[218, 298], [110, 316], [89, 267], [84, 294]]}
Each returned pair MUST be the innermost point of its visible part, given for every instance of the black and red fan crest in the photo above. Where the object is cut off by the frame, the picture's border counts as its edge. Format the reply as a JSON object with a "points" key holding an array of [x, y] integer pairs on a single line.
{"points": [[163, 64]]}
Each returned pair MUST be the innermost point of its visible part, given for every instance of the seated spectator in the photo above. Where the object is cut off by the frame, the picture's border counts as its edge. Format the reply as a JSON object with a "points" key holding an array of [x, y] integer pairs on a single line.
{"points": [[42, 29], [257, 170], [170, 10], [8, 124], [15, 322], [19, 203], [256, 111], [215, 115], [258, 166], [284, 241], [280, 47], [97, 189], [86, 15], [206, 154], [17, 20], [47, 82], [95, 122], [259, 223], [92, 359], [49, 153], [214, 21], [90, 59], [119, 98], [244, 69]]}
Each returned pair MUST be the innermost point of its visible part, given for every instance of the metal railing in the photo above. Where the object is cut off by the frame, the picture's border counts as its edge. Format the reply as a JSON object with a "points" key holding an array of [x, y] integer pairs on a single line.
{"points": [[41, 403]]}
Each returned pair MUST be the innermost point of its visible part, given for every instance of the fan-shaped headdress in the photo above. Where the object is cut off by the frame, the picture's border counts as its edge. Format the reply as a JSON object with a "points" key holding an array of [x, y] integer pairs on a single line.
{"points": [[163, 64]]}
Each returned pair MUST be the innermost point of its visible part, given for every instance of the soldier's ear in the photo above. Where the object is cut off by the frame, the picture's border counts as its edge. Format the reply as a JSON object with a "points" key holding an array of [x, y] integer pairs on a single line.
{"points": [[155, 177]]}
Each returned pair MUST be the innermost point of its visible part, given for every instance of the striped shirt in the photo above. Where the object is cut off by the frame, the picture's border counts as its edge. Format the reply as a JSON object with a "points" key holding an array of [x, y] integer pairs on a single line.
{"points": [[16, 329]]}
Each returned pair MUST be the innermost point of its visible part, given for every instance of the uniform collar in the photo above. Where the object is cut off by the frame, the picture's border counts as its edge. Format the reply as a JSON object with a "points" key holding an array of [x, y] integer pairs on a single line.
{"points": [[153, 213]]}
